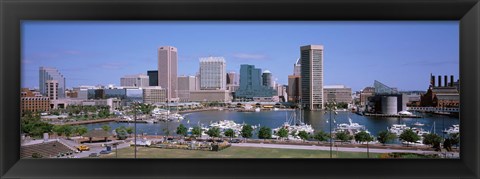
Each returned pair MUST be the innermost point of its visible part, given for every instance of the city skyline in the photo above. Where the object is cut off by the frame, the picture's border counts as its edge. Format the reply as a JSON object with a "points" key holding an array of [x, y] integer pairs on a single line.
{"points": [[355, 52]]}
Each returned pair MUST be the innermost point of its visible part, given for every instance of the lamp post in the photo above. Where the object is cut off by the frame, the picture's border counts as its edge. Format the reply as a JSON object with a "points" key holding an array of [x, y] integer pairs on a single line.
{"points": [[135, 126], [331, 107]]}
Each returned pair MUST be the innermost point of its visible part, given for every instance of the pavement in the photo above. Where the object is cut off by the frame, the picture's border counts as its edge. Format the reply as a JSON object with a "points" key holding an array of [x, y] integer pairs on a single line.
{"points": [[341, 149]]}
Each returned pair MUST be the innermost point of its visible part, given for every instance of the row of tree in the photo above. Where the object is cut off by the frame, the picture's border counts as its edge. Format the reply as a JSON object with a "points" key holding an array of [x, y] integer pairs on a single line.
{"points": [[383, 137]]}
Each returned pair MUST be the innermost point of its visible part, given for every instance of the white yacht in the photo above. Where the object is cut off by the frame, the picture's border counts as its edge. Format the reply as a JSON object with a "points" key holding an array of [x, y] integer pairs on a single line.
{"points": [[398, 128], [418, 124], [257, 109], [350, 126], [453, 130], [294, 124]]}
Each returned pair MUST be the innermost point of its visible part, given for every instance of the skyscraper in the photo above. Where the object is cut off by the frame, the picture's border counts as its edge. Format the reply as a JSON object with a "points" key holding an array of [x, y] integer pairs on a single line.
{"points": [[232, 78], [212, 73], [51, 89], [152, 77], [167, 70], [312, 76], [251, 84], [297, 68], [45, 74], [267, 78]]}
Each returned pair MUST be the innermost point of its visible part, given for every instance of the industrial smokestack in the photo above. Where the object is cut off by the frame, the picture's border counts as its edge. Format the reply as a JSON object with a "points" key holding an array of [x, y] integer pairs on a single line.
{"points": [[446, 80], [432, 80], [451, 80], [439, 81]]}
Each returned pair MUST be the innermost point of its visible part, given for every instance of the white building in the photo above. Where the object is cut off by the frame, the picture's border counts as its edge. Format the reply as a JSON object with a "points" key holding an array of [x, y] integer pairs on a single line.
{"points": [[212, 73], [140, 80], [51, 89]]}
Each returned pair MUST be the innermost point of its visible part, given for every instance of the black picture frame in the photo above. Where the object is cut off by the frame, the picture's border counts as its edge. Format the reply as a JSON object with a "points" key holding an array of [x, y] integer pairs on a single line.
{"points": [[14, 11]]}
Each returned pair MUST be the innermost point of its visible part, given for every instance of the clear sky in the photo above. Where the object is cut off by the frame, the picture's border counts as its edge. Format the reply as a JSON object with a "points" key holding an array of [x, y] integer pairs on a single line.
{"points": [[400, 54]]}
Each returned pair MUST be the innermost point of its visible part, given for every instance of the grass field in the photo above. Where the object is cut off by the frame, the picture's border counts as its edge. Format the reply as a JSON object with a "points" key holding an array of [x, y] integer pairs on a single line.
{"points": [[233, 152]]}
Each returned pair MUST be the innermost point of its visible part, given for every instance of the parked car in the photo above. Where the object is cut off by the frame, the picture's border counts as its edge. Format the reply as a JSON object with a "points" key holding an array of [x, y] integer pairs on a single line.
{"points": [[83, 148], [235, 141], [93, 155], [105, 152]]}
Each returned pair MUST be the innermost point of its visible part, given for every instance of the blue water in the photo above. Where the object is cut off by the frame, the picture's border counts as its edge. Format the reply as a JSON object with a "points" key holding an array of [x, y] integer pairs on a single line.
{"points": [[274, 119]]}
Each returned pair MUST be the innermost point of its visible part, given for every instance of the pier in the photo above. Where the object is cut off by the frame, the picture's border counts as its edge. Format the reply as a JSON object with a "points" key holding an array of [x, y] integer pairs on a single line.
{"points": [[392, 115]]}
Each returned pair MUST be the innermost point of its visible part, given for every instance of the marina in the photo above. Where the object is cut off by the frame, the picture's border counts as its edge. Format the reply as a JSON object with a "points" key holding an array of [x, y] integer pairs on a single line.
{"points": [[317, 120]]}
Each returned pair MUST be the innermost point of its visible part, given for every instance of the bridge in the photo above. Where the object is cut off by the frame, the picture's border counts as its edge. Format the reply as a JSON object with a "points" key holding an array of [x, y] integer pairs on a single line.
{"points": [[433, 109]]}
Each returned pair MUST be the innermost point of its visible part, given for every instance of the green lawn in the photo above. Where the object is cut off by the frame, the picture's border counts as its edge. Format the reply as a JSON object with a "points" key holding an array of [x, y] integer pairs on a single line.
{"points": [[233, 152]]}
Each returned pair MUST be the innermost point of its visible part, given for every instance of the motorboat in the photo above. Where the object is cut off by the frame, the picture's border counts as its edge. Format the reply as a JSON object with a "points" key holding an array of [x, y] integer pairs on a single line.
{"points": [[397, 129], [257, 109], [418, 124], [453, 130], [350, 126], [405, 113]]}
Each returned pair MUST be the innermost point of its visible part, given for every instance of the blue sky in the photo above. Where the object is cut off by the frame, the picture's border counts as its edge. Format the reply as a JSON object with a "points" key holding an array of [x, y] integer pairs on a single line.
{"points": [[398, 53]]}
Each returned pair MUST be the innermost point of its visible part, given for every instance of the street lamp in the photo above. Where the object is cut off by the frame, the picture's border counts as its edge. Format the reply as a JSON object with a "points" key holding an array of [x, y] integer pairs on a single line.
{"points": [[331, 107], [135, 126]]}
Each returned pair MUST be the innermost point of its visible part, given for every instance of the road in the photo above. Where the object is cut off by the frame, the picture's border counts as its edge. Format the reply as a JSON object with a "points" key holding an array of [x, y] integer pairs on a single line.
{"points": [[341, 149]]}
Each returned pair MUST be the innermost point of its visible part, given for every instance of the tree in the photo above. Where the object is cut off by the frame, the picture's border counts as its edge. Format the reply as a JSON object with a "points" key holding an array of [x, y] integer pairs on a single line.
{"points": [[121, 133], [363, 136], [197, 131], [182, 130], [130, 130], [303, 135], [343, 136], [432, 139], [58, 130], [293, 133], [106, 128], [229, 133], [80, 130], [455, 139], [31, 124], [265, 133], [213, 132], [386, 136], [67, 130], [409, 136], [321, 136], [246, 131], [282, 133], [447, 144]]}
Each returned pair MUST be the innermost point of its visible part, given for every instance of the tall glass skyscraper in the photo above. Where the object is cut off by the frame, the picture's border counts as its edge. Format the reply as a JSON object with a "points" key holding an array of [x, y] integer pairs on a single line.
{"points": [[251, 84], [312, 76], [212, 73], [45, 74]]}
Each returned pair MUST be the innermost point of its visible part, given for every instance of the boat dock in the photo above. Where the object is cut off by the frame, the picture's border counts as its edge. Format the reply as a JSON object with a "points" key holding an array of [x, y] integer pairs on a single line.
{"points": [[392, 115], [131, 121], [87, 122]]}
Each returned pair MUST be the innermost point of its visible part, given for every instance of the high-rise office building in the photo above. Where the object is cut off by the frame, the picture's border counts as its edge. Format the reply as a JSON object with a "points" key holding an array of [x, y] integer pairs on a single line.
{"points": [[51, 89], [212, 73], [152, 77], [294, 91], [139, 80], [312, 76], [251, 84], [167, 70], [267, 78], [297, 68], [45, 74], [232, 78]]}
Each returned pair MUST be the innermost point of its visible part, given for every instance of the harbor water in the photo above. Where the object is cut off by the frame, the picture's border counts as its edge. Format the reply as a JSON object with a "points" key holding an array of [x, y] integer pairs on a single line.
{"points": [[273, 119]]}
